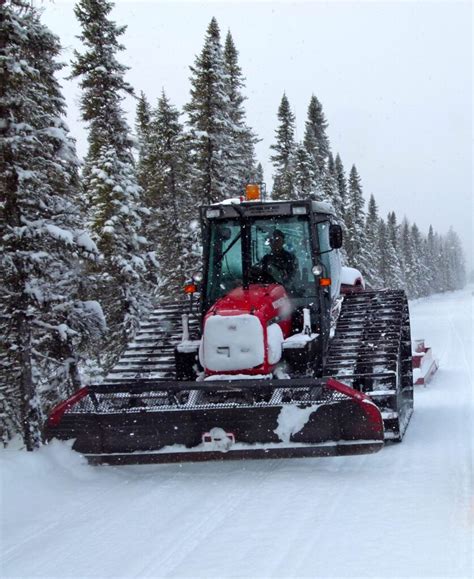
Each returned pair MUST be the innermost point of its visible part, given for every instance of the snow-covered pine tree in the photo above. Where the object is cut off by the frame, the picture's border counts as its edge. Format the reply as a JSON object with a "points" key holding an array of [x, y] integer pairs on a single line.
{"points": [[341, 186], [383, 266], [259, 176], [443, 256], [142, 127], [410, 269], [44, 324], [284, 158], [455, 261], [372, 230], [240, 155], [316, 141], [396, 279], [116, 209], [169, 227], [422, 272], [432, 262], [329, 192], [209, 121], [356, 245], [303, 173]]}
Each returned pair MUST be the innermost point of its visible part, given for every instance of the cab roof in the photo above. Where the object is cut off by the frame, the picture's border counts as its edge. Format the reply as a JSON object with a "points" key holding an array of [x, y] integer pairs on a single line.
{"points": [[267, 208]]}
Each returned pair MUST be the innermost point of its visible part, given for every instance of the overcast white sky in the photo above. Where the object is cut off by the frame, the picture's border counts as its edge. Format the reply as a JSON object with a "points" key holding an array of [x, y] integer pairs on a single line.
{"points": [[394, 79]]}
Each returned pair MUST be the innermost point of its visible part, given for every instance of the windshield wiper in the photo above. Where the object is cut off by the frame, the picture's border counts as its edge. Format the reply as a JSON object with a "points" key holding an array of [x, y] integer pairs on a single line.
{"points": [[231, 245]]}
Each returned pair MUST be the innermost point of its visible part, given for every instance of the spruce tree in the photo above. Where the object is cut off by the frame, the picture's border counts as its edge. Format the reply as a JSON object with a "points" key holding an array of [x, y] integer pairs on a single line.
{"points": [[209, 121], [372, 230], [420, 266], [330, 192], [341, 187], [355, 222], [142, 128], [409, 262], [116, 210], [383, 265], [455, 261], [316, 141], [259, 176], [168, 197], [303, 174], [240, 155], [432, 262], [397, 278], [44, 323], [284, 158]]}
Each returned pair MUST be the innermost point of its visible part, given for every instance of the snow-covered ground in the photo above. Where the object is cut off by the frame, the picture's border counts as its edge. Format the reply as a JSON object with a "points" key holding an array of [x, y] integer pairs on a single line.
{"points": [[407, 511]]}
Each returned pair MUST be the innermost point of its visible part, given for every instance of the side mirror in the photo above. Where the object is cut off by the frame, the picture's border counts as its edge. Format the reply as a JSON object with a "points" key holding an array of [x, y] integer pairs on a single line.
{"points": [[335, 236]]}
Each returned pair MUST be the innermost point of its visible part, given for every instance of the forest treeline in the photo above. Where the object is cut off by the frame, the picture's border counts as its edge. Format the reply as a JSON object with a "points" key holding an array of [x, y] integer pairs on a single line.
{"points": [[87, 248]]}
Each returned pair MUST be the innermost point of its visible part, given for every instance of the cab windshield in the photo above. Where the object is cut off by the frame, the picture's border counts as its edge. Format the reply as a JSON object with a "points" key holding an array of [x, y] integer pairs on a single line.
{"points": [[293, 251]]}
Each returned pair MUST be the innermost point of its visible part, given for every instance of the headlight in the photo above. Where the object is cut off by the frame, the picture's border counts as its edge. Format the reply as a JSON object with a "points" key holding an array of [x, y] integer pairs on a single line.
{"points": [[197, 277], [299, 210], [317, 269]]}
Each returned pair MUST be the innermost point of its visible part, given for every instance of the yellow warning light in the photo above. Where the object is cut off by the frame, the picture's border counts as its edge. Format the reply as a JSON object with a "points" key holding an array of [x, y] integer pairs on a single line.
{"points": [[252, 192]]}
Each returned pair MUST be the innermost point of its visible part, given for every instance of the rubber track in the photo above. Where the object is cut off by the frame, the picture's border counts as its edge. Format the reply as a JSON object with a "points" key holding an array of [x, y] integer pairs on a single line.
{"points": [[151, 354], [371, 351]]}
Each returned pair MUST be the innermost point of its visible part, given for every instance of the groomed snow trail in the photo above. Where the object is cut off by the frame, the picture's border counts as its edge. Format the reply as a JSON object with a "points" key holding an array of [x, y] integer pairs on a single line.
{"points": [[407, 511]]}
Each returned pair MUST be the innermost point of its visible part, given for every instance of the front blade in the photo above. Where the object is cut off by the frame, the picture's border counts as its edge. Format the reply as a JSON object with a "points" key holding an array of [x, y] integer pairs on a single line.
{"points": [[304, 419]]}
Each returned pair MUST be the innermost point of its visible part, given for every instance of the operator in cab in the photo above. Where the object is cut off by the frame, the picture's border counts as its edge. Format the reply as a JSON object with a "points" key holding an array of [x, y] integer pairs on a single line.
{"points": [[278, 266]]}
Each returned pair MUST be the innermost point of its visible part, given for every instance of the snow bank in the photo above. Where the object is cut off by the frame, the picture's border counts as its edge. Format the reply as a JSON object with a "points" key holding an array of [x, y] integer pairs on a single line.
{"points": [[406, 511]]}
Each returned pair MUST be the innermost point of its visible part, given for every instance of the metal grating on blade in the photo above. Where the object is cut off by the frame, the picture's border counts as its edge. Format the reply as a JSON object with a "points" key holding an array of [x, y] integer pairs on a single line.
{"points": [[130, 403]]}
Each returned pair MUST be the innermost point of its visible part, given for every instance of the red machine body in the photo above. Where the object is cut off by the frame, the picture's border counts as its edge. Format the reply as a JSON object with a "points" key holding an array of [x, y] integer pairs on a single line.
{"points": [[243, 331]]}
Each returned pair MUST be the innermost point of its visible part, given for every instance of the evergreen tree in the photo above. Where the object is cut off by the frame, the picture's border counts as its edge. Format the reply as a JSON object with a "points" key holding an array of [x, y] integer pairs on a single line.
{"points": [[355, 223], [284, 158], [409, 263], [44, 323], [303, 174], [396, 277], [341, 187], [383, 253], [168, 197], [330, 192], [209, 122], [259, 175], [455, 262], [432, 262], [240, 155], [142, 128], [116, 209], [388, 264], [316, 141], [372, 231], [420, 265], [102, 80]]}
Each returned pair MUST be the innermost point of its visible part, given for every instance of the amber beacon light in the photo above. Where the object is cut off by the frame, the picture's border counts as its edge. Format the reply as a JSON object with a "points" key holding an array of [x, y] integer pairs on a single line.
{"points": [[252, 192]]}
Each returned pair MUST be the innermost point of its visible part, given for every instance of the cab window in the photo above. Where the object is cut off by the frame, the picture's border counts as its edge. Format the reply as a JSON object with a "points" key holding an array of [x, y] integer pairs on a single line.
{"points": [[297, 242], [225, 258]]}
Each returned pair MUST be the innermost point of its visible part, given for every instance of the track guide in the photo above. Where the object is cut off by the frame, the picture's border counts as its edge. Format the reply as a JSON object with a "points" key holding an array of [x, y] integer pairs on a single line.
{"points": [[371, 352], [150, 356]]}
